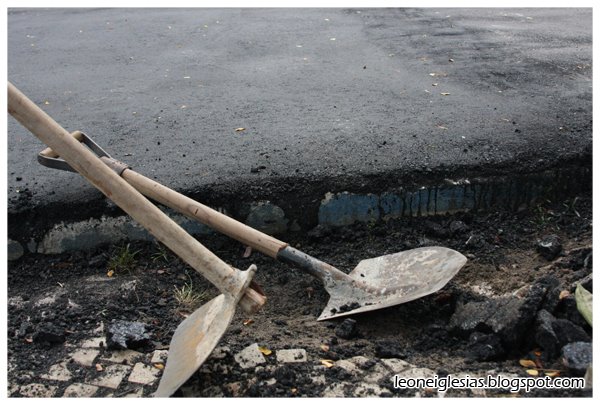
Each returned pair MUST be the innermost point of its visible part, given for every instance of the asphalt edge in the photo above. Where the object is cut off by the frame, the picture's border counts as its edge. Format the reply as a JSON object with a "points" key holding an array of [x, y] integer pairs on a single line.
{"points": [[294, 205]]}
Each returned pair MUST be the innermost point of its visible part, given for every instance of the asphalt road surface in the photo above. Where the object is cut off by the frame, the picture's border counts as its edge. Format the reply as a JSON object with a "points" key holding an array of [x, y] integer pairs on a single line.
{"points": [[320, 93]]}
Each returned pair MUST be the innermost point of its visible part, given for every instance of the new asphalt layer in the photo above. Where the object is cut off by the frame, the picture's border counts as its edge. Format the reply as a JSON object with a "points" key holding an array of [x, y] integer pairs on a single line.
{"points": [[243, 104]]}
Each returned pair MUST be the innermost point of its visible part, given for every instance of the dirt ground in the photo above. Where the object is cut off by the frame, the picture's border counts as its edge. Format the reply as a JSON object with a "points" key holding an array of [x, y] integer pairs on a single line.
{"points": [[73, 293]]}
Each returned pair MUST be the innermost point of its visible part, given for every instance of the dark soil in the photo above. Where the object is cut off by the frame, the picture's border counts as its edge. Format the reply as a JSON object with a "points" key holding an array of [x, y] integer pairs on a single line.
{"points": [[503, 257]]}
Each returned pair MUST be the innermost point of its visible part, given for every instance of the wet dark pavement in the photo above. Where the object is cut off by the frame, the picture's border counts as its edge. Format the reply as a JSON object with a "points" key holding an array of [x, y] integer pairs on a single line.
{"points": [[325, 96]]}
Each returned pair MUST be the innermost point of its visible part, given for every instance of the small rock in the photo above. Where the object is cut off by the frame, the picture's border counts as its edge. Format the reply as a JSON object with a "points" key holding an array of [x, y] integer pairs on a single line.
{"points": [[24, 329], [549, 247], [220, 352], [234, 388], [484, 347], [544, 334], [159, 356], [347, 329], [291, 355], [320, 232], [435, 229], [250, 357], [552, 333], [389, 349], [257, 169], [508, 317], [14, 250], [577, 357], [97, 261], [128, 290], [567, 309], [458, 228], [126, 335], [49, 333], [568, 332]]}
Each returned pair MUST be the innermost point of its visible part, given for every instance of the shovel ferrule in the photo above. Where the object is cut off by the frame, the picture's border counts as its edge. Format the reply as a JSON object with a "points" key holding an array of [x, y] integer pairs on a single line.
{"points": [[316, 268]]}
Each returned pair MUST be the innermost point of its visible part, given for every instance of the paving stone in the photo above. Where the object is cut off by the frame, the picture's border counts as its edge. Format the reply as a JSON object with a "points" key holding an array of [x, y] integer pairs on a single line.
{"points": [[79, 390], [291, 355], [124, 356], [376, 373], [38, 390], [143, 374], [363, 389], [94, 342], [250, 357], [417, 372], [58, 372], [396, 365], [360, 361], [111, 376], [85, 357], [335, 390], [159, 356], [349, 366]]}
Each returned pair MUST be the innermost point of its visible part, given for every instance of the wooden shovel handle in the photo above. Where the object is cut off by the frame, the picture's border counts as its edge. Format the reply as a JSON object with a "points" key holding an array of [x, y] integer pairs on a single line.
{"points": [[208, 216], [48, 152], [224, 277]]}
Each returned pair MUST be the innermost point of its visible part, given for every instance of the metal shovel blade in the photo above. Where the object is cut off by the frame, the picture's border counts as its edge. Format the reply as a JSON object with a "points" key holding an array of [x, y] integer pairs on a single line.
{"points": [[194, 340], [392, 279]]}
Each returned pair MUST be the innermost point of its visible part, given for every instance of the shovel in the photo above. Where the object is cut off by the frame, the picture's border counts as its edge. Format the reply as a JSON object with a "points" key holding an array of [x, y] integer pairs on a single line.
{"points": [[375, 283], [197, 336]]}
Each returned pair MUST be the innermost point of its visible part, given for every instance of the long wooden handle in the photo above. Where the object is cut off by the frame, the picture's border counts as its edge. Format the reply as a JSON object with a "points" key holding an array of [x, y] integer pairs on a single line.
{"points": [[124, 195], [212, 218]]}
